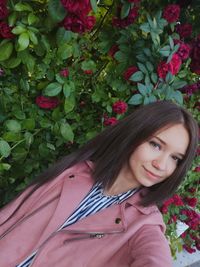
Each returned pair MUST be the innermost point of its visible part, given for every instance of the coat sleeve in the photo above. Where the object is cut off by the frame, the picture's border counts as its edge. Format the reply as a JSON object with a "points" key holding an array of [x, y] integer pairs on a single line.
{"points": [[149, 248]]}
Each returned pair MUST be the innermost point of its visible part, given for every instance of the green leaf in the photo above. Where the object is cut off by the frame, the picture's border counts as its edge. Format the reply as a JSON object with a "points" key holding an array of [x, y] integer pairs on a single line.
{"points": [[142, 68], [147, 52], [177, 95], [137, 76], [125, 10], [165, 51], [53, 89], [5, 149], [19, 29], [24, 85], [88, 65], [171, 43], [154, 77], [23, 41], [32, 19], [66, 90], [33, 37], [94, 5], [23, 7], [66, 132], [120, 56], [12, 63], [63, 35], [4, 167], [19, 154], [145, 27], [136, 99], [142, 89], [64, 51], [69, 104], [179, 84], [12, 137], [146, 100], [12, 19], [28, 124], [152, 99], [5, 50], [56, 10], [28, 138], [13, 126], [149, 66]]}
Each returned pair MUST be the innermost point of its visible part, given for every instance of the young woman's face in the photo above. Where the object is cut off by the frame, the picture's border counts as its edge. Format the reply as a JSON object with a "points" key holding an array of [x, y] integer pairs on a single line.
{"points": [[156, 159]]}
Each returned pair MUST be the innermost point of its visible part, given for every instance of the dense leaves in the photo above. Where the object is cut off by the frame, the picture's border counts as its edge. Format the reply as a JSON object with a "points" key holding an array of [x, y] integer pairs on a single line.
{"points": [[70, 68]]}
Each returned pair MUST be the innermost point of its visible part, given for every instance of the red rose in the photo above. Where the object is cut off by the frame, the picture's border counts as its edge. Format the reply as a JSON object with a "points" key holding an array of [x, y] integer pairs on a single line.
{"points": [[64, 73], [189, 249], [122, 23], [136, 2], [79, 25], [119, 107], [89, 22], [5, 30], [184, 30], [197, 169], [113, 50], [47, 102], [191, 201], [78, 7], [184, 49], [171, 13], [175, 64], [168, 202], [129, 72], [88, 72], [195, 56], [164, 209], [109, 121], [162, 69], [3, 10], [177, 200]]}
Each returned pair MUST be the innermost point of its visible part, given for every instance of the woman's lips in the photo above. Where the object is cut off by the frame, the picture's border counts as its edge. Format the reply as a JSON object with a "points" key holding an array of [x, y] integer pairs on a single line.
{"points": [[152, 175]]}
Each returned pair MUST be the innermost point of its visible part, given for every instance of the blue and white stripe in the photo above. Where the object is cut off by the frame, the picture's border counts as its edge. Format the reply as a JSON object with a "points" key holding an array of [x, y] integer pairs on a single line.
{"points": [[94, 201]]}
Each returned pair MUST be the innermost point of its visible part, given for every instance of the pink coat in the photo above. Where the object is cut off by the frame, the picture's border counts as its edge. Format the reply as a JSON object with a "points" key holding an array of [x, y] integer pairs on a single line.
{"points": [[119, 236]]}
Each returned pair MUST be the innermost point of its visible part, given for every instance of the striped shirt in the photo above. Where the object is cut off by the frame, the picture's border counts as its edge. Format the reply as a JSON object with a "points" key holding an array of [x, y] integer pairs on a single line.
{"points": [[93, 202]]}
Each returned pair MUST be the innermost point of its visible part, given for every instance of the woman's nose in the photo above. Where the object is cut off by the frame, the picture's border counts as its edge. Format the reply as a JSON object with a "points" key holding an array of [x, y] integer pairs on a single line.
{"points": [[160, 163]]}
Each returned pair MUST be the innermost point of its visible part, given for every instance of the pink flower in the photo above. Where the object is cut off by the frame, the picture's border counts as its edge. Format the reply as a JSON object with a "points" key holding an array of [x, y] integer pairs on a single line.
{"points": [[184, 30], [175, 64], [1, 72], [5, 30], [119, 107], [64, 73], [113, 50], [136, 2], [78, 7], [129, 72], [171, 13], [47, 102], [109, 121]]}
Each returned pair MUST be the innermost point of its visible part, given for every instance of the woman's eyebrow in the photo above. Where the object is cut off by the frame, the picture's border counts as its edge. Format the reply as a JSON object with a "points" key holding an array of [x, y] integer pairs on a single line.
{"points": [[163, 142]]}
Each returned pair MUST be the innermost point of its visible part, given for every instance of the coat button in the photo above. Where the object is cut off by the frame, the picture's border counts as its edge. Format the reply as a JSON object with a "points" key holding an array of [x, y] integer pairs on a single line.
{"points": [[71, 176], [118, 220]]}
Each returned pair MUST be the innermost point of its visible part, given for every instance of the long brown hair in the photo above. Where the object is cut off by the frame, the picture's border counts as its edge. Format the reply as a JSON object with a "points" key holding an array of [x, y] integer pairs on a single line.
{"points": [[111, 149]]}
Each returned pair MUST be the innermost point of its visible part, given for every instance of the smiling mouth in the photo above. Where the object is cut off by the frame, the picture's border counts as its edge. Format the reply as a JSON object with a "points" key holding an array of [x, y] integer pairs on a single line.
{"points": [[151, 174]]}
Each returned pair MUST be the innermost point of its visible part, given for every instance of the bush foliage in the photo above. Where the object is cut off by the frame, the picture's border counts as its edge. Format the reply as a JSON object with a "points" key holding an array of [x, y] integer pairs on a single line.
{"points": [[70, 68]]}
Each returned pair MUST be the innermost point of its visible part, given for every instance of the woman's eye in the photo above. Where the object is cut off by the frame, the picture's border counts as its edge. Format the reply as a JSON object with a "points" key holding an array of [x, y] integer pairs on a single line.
{"points": [[155, 145], [177, 159]]}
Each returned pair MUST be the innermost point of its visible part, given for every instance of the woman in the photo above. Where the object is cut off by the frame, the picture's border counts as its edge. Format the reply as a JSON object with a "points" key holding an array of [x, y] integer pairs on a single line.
{"points": [[97, 207]]}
